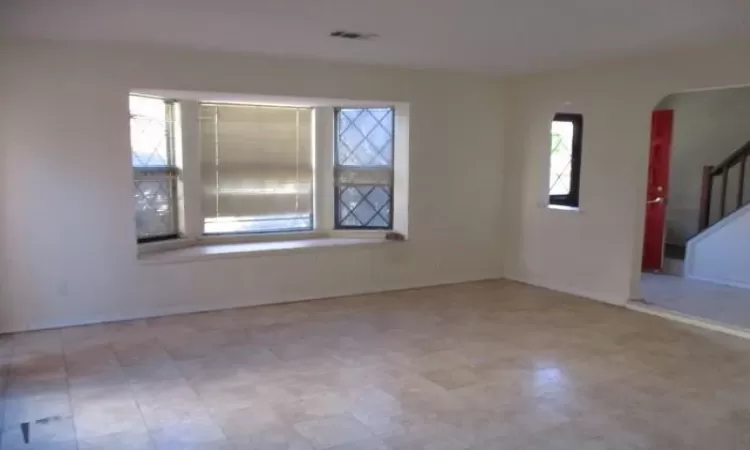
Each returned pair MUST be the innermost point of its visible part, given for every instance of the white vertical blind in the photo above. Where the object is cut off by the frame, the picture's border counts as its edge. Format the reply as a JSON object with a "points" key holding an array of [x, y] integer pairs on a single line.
{"points": [[256, 167]]}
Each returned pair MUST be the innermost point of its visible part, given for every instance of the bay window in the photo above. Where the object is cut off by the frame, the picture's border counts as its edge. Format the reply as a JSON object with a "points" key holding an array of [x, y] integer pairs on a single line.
{"points": [[203, 169]]}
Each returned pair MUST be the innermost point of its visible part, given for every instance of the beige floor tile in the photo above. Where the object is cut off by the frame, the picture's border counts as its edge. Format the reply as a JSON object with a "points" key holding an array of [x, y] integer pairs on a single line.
{"points": [[35, 406], [101, 417], [37, 365], [440, 440], [51, 432], [183, 346], [68, 445], [481, 366], [246, 421], [328, 432], [200, 433], [139, 440], [225, 399], [104, 386], [280, 437], [453, 378], [198, 322], [367, 444], [44, 341], [81, 337], [153, 371], [90, 360], [167, 413], [137, 353]]}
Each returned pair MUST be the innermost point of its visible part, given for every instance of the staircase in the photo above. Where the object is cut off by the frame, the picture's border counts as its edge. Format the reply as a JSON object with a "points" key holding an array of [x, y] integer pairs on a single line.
{"points": [[710, 211], [674, 260], [720, 253]]}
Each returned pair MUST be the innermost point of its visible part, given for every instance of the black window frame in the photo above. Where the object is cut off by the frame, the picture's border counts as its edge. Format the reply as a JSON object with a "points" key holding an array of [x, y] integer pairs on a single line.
{"points": [[337, 167], [169, 172], [572, 198]]}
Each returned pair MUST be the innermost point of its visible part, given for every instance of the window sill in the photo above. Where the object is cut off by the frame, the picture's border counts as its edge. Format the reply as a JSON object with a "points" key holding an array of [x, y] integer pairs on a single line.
{"points": [[564, 208], [206, 251]]}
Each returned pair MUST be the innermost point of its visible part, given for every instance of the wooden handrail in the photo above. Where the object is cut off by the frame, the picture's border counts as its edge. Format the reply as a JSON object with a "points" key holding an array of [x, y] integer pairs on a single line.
{"points": [[732, 159], [739, 156]]}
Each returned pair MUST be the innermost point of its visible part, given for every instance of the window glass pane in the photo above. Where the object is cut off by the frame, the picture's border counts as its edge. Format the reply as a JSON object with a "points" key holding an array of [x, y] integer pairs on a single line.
{"points": [[148, 132], [364, 206], [365, 137], [364, 167], [561, 157], [258, 224], [153, 163], [256, 168], [154, 214]]}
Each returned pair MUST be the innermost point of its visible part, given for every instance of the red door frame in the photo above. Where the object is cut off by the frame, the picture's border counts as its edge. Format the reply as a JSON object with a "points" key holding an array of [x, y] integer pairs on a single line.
{"points": [[657, 190]]}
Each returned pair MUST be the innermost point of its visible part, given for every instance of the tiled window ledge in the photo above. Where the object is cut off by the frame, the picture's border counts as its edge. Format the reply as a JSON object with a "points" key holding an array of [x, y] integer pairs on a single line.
{"points": [[205, 251]]}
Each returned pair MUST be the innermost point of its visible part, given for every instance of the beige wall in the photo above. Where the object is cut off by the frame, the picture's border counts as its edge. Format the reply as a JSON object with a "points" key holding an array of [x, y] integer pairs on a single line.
{"points": [[708, 127], [595, 252], [4, 257], [722, 253], [477, 194], [68, 226]]}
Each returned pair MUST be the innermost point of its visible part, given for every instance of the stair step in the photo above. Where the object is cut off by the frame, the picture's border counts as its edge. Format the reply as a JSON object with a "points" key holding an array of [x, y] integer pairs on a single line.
{"points": [[674, 267]]}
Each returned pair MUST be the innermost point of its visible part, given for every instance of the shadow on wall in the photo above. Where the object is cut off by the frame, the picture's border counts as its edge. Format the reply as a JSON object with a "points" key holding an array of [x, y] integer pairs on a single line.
{"points": [[708, 126]]}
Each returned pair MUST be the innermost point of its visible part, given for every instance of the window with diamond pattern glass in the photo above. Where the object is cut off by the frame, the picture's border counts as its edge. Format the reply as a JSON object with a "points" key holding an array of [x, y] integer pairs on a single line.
{"points": [[561, 158], [364, 168], [154, 173], [565, 159]]}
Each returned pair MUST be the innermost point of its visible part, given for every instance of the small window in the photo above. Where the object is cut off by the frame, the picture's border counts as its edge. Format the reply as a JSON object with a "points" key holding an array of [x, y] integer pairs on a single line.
{"points": [[256, 168], [364, 168], [154, 170], [565, 160]]}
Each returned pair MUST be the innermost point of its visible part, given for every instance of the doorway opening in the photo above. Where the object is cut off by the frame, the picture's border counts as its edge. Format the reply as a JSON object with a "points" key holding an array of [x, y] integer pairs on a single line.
{"points": [[696, 243]]}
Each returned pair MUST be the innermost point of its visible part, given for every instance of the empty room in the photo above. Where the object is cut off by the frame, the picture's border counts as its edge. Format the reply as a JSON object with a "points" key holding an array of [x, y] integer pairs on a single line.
{"points": [[374, 225]]}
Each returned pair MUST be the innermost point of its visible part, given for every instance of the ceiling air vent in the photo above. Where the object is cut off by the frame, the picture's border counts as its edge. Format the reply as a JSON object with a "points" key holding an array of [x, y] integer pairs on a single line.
{"points": [[353, 35]]}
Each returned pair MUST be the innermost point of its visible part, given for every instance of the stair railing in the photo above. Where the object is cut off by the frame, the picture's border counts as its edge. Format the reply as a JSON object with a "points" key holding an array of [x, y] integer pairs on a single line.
{"points": [[739, 157]]}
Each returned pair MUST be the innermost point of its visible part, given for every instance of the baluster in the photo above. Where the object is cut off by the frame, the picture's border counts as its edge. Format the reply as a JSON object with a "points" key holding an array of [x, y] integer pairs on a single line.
{"points": [[723, 199], [706, 188], [741, 191]]}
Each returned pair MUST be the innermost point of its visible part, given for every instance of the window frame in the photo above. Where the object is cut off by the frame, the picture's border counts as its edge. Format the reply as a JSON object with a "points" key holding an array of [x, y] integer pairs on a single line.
{"points": [[185, 157], [169, 172], [572, 198], [337, 167]]}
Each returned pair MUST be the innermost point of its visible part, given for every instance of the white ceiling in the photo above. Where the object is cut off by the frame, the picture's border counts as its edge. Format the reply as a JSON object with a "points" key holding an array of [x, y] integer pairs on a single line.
{"points": [[490, 36]]}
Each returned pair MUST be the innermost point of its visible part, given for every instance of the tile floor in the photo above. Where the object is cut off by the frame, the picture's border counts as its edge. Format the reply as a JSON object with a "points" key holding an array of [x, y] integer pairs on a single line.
{"points": [[491, 365], [715, 302]]}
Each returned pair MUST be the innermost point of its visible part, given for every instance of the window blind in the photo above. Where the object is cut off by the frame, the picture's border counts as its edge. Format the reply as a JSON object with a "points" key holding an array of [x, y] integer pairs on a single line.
{"points": [[256, 168]]}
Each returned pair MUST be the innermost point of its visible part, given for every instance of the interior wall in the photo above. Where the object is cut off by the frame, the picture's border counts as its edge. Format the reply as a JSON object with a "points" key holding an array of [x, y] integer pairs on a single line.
{"points": [[595, 252], [68, 227], [722, 254], [4, 296], [708, 127]]}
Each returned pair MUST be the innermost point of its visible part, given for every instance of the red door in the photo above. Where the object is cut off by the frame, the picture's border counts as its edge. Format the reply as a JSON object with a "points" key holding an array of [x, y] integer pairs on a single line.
{"points": [[657, 192]]}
